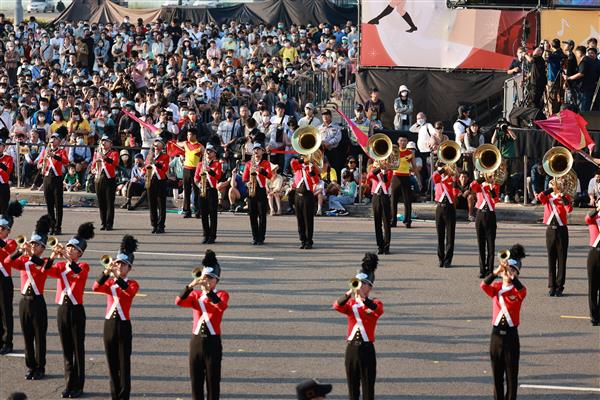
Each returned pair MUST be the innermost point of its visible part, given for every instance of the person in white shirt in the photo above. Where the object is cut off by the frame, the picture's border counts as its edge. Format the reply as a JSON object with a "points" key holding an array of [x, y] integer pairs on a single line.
{"points": [[461, 125], [331, 136], [593, 188], [309, 118]]}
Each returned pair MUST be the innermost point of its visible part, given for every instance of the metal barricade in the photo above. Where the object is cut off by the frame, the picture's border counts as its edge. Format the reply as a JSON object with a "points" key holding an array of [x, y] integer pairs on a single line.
{"points": [[513, 94]]}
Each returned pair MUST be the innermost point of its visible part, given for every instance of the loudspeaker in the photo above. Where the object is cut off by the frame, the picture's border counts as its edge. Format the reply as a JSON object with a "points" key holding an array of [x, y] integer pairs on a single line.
{"points": [[523, 117]]}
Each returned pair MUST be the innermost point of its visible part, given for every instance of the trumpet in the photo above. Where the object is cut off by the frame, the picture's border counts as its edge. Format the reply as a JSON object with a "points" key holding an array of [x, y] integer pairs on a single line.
{"points": [[106, 260], [149, 169], [197, 272], [503, 255], [52, 242], [355, 284], [21, 240]]}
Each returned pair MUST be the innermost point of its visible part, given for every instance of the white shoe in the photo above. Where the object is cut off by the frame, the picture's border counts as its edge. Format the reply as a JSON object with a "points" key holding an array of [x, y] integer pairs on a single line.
{"points": [[534, 201], [506, 199]]}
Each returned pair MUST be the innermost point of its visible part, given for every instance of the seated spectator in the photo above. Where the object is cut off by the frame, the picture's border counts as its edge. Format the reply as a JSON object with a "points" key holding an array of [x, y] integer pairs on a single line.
{"points": [[80, 155], [347, 194], [136, 185], [275, 190], [328, 185], [238, 192], [593, 189], [123, 172], [71, 181], [465, 198]]}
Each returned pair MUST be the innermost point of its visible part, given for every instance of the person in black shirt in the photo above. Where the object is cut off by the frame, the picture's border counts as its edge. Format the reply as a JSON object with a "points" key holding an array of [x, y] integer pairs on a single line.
{"points": [[538, 77], [584, 79], [375, 105], [519, 63]]}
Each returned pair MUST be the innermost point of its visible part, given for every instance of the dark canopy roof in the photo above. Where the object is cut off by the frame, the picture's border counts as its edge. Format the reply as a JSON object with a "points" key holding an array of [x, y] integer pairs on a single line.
{"points": [[104, 11]]}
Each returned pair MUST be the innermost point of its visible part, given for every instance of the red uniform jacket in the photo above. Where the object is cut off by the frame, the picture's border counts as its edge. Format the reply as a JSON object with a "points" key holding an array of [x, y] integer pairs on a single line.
{"points": [[161, 165], [54, 165], [505, 302], [302, 174], [261, 177], [110, 164], [360, 318], [6, 168], [593, 222], [31, 274], [6, 251], [212, 177], [484, 195], [444, 187], [69, 283], [377, 181], [205, 310], [555, 207], [118, 300]]}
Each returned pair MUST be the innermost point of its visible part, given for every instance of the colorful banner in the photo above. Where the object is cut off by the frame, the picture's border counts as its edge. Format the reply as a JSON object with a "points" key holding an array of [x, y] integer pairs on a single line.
{"points": [[427, 34], [566, 25], [577, 3]]}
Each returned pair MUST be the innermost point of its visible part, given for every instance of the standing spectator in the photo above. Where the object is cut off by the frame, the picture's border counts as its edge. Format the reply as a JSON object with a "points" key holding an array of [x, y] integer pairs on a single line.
{"points": [[403, 106], [517, 65], [375, 106], [461, 125], [504, 139], [331, 136], [309, 118], [593, 189], [537, 77]]}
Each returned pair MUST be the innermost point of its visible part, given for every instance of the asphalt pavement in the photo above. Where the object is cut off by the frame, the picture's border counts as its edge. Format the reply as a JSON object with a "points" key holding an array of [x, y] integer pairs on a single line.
{"points": [[432, 341]]}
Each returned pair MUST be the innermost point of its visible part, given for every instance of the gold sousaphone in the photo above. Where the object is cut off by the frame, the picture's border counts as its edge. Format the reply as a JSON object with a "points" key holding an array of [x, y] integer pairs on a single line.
{"points": [[488, 160], [449, 153], [380, 148], [558, 163], [307, 141]]}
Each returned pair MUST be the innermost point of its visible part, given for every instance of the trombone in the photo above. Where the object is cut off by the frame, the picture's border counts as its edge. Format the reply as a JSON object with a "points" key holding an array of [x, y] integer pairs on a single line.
{"points": [[307, 141]]}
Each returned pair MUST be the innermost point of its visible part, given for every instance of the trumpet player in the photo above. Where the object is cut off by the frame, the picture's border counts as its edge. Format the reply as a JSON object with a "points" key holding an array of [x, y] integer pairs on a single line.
{"points": [[157, 166], [120, 291], [488, 193], [380, 178], [7, 247], [71, 275], [32, 307], [105, 162], [208, 304], [6, 169], [593, 264], [445, 213], [208, 173], [306, 177], [256, 173], [51, 162], [507, 297], [556, 207], [363, 313]]}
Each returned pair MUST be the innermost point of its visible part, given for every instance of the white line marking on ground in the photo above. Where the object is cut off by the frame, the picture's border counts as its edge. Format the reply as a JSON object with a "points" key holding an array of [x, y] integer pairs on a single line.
{"points": [[569, 388], [20, 355], [150, 253], [573, 317]]}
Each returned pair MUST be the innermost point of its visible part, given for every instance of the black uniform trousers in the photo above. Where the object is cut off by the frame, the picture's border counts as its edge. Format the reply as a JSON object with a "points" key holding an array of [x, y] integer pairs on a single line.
{"points": [[71, 319], [504, 353], [257, 210], [361, 368], [593, 269], [4, 197], [157, 201], [105, 192], [6, 311], [208, 211], [34, 324], [382, 219], [485, 225], [557, 244], [401, 185], [445, 224], [117, 346], [206, 354], [304, 205], [188, 187], [53, 194]]}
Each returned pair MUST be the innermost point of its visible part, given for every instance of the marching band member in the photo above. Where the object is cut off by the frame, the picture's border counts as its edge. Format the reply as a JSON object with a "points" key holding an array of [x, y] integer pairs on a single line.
{"points": [[256, 173], [105, 163], [6, 169], [7, 247], [51, 162], [157, 165], [445, 213], [306, 176], [507, 297], [71, 276], [120, 291], [381, 179], [488, 194], [193, 154], [593, 264], [363, 313], [206, 350], [208, 196], [32, 308], [556, 206]]}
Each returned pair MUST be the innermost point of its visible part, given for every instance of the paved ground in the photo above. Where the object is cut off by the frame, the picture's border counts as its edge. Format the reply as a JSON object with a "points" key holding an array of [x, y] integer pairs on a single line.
{"points": [[432, 341]]}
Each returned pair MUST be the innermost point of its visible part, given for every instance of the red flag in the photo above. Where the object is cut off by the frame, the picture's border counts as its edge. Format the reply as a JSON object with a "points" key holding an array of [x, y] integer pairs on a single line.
{"points": [[569, 129], [173, 150], [141, 122], [362, 137]]}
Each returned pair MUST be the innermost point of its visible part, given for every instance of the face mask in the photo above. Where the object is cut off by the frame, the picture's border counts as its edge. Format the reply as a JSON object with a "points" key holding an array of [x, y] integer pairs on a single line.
{"points": [[44, 108], [119, 95], [105, 113], [115, 111], [421, 121], [80, 141], [229, 115]]}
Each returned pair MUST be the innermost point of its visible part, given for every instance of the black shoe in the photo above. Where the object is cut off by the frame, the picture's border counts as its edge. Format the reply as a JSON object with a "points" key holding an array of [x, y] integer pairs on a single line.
{"points": [[210, 241], [380, 251], [552, 293], [308, 246], [447, 266], [154, 230], [66, 394], [559, 292], [102, 228], [58, 231], [197, 215], [408, 224], [109, 228], [595, 323], [7, 348], [386, 250], [482, 275], [75, 394], [38, 375], [29, 375], [260, 242], [131, 208], [160, 230], [303, 245], [412, 29], [394, 224], [187, 215], [205, 240], [52, 231], [125, 207], [254, 243], [441, 265]]}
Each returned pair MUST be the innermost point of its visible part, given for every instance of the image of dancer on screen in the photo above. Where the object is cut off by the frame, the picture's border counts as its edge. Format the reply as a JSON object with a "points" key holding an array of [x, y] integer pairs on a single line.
{"points": [[399, 6]]}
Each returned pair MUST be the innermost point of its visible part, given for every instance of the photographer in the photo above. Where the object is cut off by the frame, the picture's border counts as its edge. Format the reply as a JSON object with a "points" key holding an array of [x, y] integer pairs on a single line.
{"points": [[593, 189], [227, 132], [538, 78], [504, 138]]}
